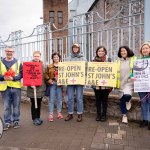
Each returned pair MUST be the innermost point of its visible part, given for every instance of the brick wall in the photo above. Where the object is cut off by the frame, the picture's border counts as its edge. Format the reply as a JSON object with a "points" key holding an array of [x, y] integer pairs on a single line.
{"points": [[57, 5]]}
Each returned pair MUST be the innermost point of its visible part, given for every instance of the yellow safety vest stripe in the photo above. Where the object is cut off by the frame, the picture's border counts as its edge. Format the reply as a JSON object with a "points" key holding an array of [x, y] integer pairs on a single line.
{"points": [[132, 59], [15, 84]]}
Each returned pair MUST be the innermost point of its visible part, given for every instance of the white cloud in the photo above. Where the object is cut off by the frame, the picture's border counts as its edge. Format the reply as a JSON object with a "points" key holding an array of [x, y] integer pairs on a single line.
{"points": [[19, 15]]}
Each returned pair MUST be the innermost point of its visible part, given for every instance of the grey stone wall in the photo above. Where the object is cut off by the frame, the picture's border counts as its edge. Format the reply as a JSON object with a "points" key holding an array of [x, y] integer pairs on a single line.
{"points": [[113, 106], [89, 104]]}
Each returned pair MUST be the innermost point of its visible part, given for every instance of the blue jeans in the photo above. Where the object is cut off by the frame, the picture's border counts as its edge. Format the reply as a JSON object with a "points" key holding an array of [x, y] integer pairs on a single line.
{"points": [[11, 99], [125, 98], [145, 106], [55, 91], [79, 97]]}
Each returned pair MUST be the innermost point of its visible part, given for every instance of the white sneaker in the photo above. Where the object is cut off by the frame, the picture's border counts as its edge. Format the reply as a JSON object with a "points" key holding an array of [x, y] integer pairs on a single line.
{"points": [[128, 105], [124, 119]]}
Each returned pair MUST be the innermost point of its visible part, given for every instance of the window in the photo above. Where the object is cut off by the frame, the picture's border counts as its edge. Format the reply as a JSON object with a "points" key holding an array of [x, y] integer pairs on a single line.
{"points": [[60, 17], [51, 16], [106, 9], [59, 45]]}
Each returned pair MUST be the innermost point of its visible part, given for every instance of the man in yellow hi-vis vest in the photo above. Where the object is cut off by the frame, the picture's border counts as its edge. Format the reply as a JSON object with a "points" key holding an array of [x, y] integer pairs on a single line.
{"points": [[10, 88]]}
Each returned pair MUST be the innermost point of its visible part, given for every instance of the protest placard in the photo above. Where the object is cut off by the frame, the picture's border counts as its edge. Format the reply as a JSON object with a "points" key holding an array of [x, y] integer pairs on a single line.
{"points": [[71, 73], [141, 71], [101, 74], [32, 74]]}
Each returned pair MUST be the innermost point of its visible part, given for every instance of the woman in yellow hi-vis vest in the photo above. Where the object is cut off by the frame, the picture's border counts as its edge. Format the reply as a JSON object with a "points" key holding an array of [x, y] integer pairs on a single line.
{"points": [[124, 81], [10, 88]]}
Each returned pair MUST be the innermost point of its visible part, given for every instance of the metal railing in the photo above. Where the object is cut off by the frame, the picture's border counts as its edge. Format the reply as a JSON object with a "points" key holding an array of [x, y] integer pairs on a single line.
{"points": [[90, 30]]}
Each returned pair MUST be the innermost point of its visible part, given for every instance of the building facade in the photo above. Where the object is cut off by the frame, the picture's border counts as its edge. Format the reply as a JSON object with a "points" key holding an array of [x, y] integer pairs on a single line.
{"points": [[55, 12], [110, 23]]}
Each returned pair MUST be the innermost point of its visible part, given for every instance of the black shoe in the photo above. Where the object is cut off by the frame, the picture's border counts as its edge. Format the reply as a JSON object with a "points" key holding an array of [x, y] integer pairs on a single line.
{"points": [[98, 117], [79, 119], [69, 117], [148, 125], [143, 124], [103, 119]]}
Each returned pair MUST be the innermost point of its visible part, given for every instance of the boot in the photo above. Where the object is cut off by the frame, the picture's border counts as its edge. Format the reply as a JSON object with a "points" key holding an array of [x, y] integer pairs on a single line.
{"points": [[148, 125], [143, 124], [98, 117], [103, 119], [69, 117], [79, 119]]}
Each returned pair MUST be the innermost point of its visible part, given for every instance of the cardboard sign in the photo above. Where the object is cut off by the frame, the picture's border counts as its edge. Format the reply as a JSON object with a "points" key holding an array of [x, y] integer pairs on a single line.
{"points": [[71, 73], [101, 74], [32, 73]]}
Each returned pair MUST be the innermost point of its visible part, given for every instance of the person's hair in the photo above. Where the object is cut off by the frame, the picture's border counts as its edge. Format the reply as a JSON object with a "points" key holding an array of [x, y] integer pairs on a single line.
{"points": [[54, 54], [129, 51], [76, 45], [146, 43], [100, 48], [36, 52], [9, 47]]}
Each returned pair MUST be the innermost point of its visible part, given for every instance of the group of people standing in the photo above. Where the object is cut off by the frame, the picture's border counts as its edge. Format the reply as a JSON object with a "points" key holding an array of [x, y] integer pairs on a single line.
{"points": [[10, 87], [125, 84]]}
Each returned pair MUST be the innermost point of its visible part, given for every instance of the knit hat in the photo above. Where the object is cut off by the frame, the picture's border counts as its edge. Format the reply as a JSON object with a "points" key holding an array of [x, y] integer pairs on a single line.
{"points": [[76, 45]]}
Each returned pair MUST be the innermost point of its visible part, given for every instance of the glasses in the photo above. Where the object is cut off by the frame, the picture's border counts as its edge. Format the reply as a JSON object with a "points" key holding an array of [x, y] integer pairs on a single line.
{"points": [[9, 51]]}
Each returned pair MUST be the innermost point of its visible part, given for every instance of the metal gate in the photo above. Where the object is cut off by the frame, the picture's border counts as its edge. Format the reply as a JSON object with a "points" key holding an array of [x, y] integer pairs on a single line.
{"points": [[90, 30]]}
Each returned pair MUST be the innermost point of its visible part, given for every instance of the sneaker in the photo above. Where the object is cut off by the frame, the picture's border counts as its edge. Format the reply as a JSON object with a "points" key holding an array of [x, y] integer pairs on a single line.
{"points": [[37, 122], [128, 105], [51, 118], [125, 119], [16, 125], [59, 116], [40, 120], [6, 126]]}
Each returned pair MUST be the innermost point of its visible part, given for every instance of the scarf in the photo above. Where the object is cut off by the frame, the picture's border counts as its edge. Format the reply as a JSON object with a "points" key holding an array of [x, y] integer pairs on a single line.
{"points": [[100, 59]]}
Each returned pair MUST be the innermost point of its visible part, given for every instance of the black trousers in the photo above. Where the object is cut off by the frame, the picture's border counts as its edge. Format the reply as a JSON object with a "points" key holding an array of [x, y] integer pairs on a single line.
{"points": [[35, 112], [101, 97]]}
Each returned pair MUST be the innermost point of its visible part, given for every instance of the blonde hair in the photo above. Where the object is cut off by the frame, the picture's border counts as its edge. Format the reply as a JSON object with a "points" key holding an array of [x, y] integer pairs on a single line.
{"points": [[146, 43], [36, 52]]}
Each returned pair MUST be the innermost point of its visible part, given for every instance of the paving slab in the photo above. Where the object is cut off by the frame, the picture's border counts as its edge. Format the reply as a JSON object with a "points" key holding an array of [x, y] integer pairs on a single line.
{"points": [[73, 135]]}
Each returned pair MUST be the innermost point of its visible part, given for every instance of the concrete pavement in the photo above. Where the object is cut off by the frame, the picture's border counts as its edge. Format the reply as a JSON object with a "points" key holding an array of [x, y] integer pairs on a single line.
{"points": [[73, 135]]}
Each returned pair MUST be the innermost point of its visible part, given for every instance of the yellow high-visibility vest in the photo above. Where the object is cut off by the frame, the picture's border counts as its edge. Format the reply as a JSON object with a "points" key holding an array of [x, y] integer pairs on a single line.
{"points": [[4, 84], [132, 59]]}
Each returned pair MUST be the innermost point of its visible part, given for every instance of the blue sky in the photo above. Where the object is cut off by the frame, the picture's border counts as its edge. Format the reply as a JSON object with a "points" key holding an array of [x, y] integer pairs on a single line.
{"points": [[20, 15]]}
